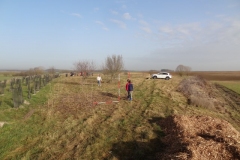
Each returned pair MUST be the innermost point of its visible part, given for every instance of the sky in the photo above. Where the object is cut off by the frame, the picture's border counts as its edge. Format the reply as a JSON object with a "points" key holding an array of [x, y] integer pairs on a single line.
{"points": [[149, 34]]}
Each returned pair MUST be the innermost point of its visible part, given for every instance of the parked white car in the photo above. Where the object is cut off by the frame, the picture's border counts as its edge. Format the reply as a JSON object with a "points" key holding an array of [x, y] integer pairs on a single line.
{"points": [[162, 75]]}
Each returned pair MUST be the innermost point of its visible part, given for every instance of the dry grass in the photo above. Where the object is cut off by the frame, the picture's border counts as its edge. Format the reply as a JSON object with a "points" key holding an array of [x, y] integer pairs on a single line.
{"points": [[74, 128], [199, 92], [86, 131]]}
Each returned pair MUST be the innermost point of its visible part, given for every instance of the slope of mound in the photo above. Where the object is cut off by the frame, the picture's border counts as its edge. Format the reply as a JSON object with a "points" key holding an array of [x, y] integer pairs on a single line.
{"points": [[201, 93], [199, 137]]}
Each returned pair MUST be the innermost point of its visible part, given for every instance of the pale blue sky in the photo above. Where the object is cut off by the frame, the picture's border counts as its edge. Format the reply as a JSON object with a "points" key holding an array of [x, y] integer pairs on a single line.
{"points": [[149, 34]]}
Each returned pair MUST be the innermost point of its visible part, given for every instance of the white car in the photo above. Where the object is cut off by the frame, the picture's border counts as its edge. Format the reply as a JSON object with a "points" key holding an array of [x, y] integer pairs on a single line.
{"points": [[163, 75]]}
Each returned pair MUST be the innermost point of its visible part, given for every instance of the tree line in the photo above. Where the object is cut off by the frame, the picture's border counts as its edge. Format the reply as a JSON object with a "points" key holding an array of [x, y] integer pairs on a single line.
{"points": [[112, 66]]}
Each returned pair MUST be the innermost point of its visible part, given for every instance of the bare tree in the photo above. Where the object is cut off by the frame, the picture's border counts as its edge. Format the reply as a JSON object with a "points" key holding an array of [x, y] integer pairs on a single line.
{"points": [[84, 67], [31, 72], [34, 71], [113, 65], [51, 70], [181, 70], [188, 70]]}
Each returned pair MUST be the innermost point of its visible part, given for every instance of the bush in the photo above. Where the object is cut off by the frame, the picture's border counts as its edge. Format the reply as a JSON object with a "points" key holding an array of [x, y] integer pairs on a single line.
{"points": [[200, 102]]}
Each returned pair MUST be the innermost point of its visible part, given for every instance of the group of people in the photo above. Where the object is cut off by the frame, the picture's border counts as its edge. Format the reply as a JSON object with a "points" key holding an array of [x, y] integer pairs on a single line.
{"points": [[129, 87]]}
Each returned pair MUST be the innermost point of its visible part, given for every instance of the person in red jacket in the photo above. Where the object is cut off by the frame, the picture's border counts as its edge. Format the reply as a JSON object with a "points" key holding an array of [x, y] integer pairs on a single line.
{"points": [[127, 88]]}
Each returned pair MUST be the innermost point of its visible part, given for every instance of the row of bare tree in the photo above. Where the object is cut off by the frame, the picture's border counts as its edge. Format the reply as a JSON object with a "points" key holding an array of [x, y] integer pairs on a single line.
{"points": [[112, 66], [36, 71]]}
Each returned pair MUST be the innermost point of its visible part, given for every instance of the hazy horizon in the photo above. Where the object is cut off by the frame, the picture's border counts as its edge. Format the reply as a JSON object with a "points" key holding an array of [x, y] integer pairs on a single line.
{"points": [[150, 35]]}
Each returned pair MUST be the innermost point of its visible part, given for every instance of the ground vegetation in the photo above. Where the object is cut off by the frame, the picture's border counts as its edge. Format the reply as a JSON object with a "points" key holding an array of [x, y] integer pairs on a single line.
{"points": [[163, 121]]}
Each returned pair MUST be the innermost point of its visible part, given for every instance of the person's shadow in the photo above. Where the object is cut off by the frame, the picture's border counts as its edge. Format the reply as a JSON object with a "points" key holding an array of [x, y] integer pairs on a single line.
{"points": [[140, 150]]}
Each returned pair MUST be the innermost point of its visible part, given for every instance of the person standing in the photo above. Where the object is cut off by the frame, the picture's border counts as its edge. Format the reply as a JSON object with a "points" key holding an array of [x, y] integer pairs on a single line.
{"points": [[99, 80], [130, 90], [127, 88]]}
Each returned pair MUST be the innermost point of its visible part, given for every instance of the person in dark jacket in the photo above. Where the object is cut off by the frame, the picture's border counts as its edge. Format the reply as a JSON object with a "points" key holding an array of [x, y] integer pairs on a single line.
{"points": [[130, 90]]}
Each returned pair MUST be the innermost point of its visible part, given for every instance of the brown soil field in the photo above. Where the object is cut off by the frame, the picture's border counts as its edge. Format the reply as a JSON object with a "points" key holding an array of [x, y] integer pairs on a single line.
{"points": [[218, 75], [209, 75]]}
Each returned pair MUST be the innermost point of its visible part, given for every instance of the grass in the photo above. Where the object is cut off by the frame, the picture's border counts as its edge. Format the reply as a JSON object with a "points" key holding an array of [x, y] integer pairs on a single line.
{"points": [[5, 76], [8, 113], [20, 129], [66, 125], [233, 85]]}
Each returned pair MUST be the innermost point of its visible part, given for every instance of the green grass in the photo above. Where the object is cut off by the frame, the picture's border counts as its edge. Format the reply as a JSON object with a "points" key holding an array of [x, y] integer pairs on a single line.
{"points": [[16, 136], [19, 131], [233, 85], [4, 76], [8, 113]]}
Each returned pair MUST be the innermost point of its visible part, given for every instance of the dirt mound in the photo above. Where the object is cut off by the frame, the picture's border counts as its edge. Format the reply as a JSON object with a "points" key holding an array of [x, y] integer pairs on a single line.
{"points": [[200, 93], [195, 86], [199, 137]]}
